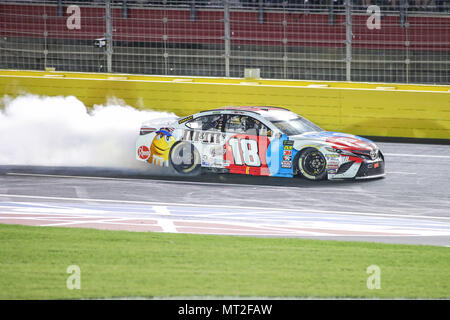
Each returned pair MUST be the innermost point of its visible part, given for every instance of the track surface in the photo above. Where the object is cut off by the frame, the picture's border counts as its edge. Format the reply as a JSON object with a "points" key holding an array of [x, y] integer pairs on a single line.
{"points": [[410, 205]]}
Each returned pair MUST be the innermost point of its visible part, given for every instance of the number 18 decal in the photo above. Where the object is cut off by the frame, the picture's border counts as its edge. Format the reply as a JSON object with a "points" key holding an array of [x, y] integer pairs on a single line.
{"points": [[245, 151]]}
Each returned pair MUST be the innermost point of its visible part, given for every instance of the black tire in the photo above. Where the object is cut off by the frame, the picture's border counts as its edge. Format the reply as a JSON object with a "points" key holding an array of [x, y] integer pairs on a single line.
{"points": [[185, 158], [311, 164]]}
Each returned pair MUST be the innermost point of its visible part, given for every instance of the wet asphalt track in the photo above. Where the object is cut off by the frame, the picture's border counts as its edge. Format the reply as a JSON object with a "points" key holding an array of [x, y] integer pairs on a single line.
{"points": [[414, 196]]}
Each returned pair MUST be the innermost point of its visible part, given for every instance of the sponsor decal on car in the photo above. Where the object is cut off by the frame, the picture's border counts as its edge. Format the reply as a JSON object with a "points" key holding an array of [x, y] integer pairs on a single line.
{"points": [[159, 150], [332, 163], [203, 137], [287, 155], [288, 147], [143, 152], [332, 156], [247, 154], [373, 165], [185, 119], [349, 142], [286, 164], [217, 151]]}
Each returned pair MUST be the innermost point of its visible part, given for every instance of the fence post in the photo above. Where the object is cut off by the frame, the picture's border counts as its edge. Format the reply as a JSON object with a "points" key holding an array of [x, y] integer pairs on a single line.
{"points": [[193, 13], [331, 13], [348, 39], [403, 12], [261, 11], [404, 24], [285, 41], [60, 8], [108, 36], [125, 9], [226, 20]]}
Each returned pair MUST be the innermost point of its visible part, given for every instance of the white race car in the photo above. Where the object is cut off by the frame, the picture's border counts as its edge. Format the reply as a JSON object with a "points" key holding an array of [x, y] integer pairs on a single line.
{"points": [[263, 141]]}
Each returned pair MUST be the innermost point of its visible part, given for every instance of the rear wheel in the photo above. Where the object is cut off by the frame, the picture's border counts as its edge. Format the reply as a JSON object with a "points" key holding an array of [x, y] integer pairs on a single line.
{"points": [[312, 164], [185, 158]]}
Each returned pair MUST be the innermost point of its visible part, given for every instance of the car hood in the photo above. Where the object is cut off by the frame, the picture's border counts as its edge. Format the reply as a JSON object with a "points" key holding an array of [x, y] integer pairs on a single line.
{"points": [[339, 140]]}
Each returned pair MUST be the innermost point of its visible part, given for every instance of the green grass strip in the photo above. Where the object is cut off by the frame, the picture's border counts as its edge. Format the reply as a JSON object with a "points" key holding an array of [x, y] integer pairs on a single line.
{"points": [[34, 262]]}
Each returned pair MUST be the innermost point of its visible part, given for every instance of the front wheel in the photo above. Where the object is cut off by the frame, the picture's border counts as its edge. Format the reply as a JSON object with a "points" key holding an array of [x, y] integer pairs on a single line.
{"points": [[185, 158], [312, 164]]}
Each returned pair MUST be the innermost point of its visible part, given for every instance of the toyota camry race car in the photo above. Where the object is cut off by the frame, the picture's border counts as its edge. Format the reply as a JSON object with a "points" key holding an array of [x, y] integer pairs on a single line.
{"points": [[263, 141]]}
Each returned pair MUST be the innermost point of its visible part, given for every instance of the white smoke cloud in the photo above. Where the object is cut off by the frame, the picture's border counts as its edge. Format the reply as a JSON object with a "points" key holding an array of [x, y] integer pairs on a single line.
{"points": [[61, 131]]}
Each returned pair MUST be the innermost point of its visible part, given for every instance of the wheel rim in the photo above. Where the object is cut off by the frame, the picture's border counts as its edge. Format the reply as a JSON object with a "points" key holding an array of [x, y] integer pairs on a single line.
{"points": [[314, 163], [184, 158]]}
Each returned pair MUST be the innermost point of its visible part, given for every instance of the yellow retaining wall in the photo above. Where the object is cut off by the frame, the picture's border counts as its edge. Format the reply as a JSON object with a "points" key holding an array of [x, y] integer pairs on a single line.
{"points": [[395, 110]]}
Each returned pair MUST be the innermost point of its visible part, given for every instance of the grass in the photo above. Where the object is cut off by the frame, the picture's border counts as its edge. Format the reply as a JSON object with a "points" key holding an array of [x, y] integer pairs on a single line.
{"points": [[34, 262]]}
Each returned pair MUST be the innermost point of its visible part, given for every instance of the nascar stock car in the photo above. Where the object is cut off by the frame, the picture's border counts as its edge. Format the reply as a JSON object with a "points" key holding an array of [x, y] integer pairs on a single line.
{"points": [[265, 141]]}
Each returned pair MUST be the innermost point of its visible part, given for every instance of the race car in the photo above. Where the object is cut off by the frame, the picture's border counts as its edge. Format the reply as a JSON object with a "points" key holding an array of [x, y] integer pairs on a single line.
{"points": [[253, 140]]}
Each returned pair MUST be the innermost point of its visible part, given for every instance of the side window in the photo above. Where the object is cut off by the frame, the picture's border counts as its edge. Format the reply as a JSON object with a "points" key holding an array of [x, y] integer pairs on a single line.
{"points": [[262, 129], [194, 124], [245, 124], [212, 122]]}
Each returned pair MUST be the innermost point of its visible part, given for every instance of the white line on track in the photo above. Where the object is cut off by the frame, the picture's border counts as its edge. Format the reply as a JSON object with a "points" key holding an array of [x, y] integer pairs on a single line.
{"points": [[393, 172], [151, 215], [153, 203], [169, 226], [161, 210], [65, 223], [166, 224], [279, 220], [415, 155]]}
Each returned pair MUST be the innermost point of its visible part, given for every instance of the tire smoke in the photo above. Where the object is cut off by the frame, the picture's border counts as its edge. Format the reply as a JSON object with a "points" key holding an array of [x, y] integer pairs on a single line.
{"points": [[62, 131]]}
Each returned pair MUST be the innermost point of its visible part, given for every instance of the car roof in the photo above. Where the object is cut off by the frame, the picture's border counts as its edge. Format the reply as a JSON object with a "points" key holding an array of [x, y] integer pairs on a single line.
{"points": [[256, 109]]}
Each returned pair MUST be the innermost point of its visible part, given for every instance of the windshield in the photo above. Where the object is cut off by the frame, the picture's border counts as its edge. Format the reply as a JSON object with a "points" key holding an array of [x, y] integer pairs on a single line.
{"points": [[291, 124], [296, 126]]}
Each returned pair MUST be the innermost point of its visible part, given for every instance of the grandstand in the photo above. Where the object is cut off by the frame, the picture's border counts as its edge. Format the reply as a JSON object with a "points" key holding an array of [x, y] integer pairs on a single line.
{"points": [[310, 40]]}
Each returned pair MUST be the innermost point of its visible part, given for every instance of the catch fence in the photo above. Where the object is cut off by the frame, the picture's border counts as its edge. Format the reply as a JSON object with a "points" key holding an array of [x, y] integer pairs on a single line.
{"points": [[387, 41]]}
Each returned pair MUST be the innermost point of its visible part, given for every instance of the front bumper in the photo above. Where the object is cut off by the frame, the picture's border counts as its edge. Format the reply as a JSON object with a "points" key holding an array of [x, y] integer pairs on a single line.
{"points": [[371, 169]]}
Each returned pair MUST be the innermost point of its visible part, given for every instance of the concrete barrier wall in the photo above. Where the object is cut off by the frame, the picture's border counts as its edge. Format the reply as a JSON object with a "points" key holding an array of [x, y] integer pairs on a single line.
{"points": [[392, 110]]}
